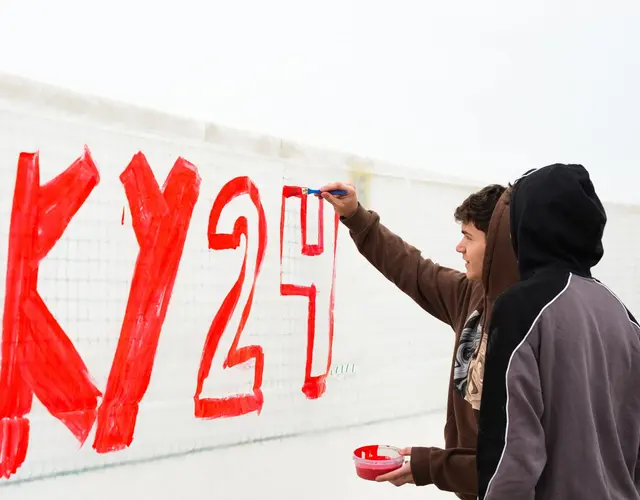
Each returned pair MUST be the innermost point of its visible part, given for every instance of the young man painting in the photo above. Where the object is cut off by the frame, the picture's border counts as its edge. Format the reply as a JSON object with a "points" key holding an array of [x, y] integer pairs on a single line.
{"points": [[461, 300]]}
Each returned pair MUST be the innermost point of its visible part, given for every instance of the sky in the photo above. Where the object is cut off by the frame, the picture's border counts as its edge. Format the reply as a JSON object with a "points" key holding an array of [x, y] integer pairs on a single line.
{"points": [[483, 90]]}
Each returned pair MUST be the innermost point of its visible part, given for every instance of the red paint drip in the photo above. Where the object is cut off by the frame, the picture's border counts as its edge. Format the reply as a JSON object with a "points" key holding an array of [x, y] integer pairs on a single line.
{"points": [[160, 220], [314, 386], [122, 219], [37, 356], [239, 404]]}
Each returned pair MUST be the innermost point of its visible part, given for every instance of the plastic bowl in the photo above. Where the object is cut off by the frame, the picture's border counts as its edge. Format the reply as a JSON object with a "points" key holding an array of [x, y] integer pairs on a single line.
{"points": [[375, 460]]}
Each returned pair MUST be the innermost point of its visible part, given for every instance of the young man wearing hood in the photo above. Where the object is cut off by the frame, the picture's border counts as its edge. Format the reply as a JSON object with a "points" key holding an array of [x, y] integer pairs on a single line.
{"points": [[560, 413], [461, 300]]}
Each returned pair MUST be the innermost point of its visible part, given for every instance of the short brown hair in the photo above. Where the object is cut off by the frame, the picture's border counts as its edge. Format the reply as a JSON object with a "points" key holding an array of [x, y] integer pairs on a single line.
{"points": [[478, 207]]}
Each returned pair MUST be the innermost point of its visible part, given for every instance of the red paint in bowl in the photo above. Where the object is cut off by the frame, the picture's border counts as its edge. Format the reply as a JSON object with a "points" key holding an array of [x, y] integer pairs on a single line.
{"points": [[373, 460]]}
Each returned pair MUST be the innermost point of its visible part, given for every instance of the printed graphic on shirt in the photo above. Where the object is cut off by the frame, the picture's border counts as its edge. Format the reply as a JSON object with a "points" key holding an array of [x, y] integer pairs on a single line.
{"points": [[469, 341], [476, 374]]}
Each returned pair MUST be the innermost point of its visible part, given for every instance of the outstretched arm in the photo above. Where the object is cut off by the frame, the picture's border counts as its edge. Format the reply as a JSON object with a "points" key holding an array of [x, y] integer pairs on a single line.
{"points": [[439, 290]]}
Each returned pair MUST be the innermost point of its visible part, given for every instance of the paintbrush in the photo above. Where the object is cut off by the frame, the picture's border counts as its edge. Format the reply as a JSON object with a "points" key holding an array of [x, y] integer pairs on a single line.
{"points": [[334, 192]]}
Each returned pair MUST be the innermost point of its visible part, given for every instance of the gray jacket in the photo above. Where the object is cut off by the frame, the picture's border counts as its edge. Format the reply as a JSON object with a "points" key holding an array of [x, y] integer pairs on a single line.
{"points": [[560, 410]]}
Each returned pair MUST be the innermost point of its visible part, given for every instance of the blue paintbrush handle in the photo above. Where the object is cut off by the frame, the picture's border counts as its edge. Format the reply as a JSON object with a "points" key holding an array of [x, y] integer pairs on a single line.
{"points": [[334, 192]]}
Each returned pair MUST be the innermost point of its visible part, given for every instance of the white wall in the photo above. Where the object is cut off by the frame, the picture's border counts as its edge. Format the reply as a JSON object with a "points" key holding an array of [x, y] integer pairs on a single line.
{"points": [[395, 356]]}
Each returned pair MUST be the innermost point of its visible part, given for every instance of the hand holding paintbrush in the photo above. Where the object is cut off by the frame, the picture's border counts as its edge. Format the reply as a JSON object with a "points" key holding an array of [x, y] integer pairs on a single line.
{"points": [[340, 195], [318, 192]]}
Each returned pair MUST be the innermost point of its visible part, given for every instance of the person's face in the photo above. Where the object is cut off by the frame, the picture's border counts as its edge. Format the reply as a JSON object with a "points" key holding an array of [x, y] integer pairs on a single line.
{"points": [[472, 248]]}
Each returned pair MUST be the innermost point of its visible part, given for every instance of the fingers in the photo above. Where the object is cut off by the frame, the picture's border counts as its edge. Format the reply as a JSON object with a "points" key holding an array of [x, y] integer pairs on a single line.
{"points": [[396, 480], [345, 205], [338, 185], [390, 476], [330, 198], [397, 477], [405, 452]]}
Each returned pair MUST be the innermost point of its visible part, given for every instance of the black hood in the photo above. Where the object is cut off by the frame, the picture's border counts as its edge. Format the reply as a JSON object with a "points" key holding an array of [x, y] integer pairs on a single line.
{"points": [[557, 220]]}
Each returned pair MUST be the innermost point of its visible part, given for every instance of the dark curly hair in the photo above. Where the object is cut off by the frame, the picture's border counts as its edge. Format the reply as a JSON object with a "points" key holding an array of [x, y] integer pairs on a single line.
{"points": [[478, 207]]}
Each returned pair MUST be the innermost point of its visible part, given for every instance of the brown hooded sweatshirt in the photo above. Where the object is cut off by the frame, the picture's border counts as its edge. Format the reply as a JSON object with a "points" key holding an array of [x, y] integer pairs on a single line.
{"points": [[464, 305]]}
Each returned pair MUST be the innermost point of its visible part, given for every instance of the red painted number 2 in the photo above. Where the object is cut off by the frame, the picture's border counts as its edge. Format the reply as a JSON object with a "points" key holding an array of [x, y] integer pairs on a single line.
{"points": [[239, 404], [314, 385]]}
